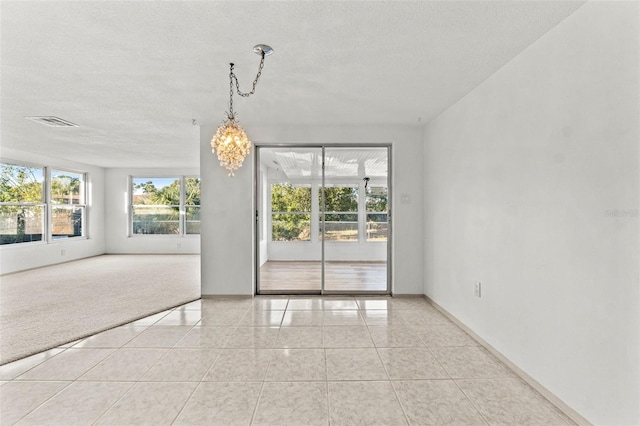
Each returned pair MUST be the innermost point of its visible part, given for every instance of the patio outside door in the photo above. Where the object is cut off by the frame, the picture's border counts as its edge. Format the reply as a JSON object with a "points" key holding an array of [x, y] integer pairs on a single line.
{"points": [[322, 220]]}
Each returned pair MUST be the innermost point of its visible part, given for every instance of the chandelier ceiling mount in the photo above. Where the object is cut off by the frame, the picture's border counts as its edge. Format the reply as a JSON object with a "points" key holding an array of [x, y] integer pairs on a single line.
{"points": [[258, 49]]}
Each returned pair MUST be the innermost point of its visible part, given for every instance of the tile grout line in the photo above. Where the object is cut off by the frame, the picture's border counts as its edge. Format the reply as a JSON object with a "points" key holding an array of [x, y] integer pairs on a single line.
{"points": [[219, 351], [255, 408], [429, 350], [133, 384], [404, 412], [80, 339], [36, 365], [326, 382], [471, 402], [202, 381], [138, 380], [45, 401], [395, 392], [186, 402], [452, 379]]}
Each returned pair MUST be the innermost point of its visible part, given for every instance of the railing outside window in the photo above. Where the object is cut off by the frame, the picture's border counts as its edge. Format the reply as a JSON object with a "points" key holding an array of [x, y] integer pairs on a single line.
{"points": [[341, 213], [165, 205]]}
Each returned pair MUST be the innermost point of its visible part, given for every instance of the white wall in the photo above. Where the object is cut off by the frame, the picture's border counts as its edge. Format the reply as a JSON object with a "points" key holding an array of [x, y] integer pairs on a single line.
{"points": [[229, 245], [18, 257], [117, 199], [521, 177]]}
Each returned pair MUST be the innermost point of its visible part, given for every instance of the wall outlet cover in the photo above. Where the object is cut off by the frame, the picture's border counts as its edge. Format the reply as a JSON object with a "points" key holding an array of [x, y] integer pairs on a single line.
{"points": [[478, 289]]}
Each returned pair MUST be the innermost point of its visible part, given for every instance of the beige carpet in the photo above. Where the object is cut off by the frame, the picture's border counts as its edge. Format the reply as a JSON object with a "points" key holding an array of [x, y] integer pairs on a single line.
{"points": [[50, 306]]}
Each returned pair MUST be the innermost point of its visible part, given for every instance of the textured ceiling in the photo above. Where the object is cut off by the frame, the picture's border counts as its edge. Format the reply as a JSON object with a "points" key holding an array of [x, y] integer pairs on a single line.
{"points": [[351, 164], [133, 75]]}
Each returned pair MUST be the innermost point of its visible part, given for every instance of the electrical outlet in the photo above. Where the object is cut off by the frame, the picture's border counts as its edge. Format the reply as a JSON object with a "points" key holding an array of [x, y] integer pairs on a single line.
{"points": [[63, 252], [478, 289], [179, 245]]}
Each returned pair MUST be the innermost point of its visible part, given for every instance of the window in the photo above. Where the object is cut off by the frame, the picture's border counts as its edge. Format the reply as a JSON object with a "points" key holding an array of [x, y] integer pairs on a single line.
{"points": [[290, 212], [22, 206], [156, 206], [376, 204], [192, 205], [341, 213], [165, 206], [68, 206], [353, 212], [41, 204]]}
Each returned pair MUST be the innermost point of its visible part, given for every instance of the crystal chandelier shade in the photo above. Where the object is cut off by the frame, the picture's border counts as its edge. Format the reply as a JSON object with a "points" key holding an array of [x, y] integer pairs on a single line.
{"points": [[231, 144]]}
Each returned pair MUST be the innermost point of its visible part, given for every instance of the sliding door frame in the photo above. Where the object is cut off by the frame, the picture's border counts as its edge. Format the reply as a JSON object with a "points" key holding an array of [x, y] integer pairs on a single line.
{"points": [[257, 221]]}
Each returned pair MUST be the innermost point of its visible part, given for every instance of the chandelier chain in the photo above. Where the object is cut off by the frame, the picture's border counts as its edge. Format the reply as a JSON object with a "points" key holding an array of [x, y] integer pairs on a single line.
{"points": [[232, 77], [255, 81]]}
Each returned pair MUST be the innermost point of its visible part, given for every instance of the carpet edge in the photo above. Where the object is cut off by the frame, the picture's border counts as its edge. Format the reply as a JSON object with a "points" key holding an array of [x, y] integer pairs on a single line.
{"points": [[26, 354]]}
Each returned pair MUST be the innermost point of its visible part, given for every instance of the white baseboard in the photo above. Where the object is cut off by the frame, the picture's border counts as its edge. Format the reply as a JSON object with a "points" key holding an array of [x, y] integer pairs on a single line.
{"points": [[226, 296], [562, 406]]}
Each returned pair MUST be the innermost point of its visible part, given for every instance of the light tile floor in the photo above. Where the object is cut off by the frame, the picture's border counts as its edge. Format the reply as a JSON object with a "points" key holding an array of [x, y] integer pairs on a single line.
{"points": [[274, 361]]}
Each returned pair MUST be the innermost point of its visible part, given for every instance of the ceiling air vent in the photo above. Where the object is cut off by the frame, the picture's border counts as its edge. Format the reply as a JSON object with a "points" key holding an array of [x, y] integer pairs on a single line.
{"points": [[52, 121]]}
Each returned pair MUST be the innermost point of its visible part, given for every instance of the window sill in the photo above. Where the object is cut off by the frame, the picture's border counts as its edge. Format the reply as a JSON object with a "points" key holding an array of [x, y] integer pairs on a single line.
{"points": [[24, 244], [171, 236], [68, 239]]}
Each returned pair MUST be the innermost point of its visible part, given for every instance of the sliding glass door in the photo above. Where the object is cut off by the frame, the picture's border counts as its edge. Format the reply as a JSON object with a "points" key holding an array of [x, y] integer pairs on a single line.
{"points": [[355, 219], [288, 253], [322, 220]]}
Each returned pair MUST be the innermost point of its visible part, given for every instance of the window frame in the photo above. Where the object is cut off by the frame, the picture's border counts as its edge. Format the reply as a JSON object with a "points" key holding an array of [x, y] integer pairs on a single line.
{"points": [[368, 212], [51, 205], [183, 197], [47, 206], [182, 216], [42, 204]]}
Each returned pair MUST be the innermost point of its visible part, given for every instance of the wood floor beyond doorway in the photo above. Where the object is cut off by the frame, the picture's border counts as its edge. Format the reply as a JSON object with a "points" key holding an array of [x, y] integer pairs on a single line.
{"points": [[292, 277]]}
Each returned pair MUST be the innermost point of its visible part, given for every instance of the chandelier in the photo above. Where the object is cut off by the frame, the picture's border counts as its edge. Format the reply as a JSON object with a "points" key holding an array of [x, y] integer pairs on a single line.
{"points": [[230, 141]]}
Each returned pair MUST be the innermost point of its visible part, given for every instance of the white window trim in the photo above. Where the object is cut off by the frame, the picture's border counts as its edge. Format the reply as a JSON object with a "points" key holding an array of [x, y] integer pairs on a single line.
{"points": [[182, 225], [47, 226], [50, 205]]}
